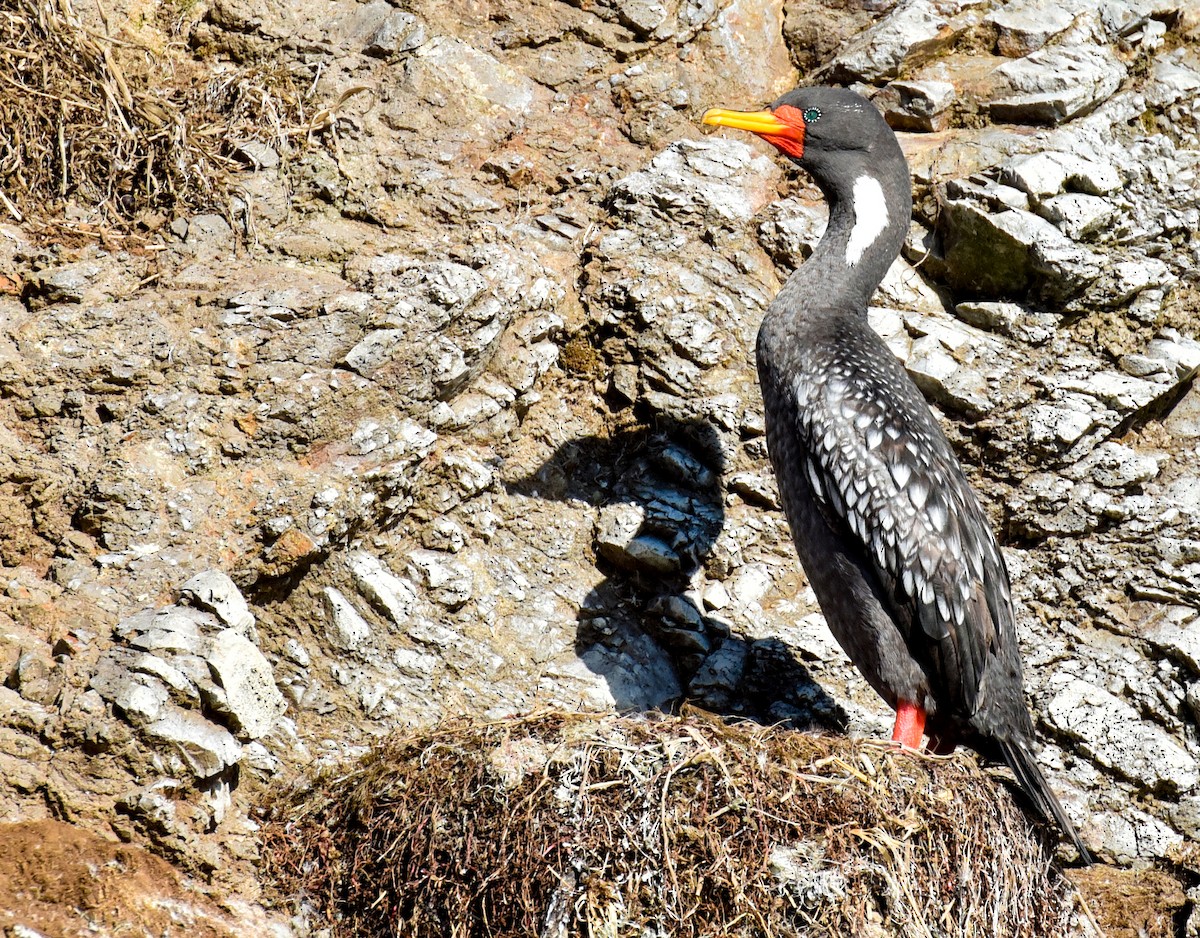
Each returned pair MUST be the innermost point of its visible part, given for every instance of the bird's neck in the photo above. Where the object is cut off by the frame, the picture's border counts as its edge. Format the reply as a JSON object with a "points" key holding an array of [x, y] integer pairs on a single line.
{"points": [[869, 210]]}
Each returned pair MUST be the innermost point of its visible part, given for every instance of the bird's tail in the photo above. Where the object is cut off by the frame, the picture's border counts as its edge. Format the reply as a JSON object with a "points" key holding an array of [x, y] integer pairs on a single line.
{"points": [[1019, 758]]}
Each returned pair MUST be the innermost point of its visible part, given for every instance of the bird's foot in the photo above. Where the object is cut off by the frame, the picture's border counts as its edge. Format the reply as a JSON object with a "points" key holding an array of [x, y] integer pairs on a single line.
{"points": [[910, 725]]}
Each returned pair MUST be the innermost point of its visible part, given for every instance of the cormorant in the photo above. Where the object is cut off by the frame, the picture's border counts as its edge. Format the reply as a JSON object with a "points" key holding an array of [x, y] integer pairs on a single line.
{"points": [[892, 537]]}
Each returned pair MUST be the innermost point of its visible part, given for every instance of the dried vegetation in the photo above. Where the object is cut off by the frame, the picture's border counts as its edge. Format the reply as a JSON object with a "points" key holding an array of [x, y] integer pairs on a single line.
{"points": [[121, 130], [561, 825]]}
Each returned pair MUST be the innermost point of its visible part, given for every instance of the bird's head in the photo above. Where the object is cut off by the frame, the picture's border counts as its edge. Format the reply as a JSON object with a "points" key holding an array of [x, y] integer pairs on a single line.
{"points": [[811, 125]]}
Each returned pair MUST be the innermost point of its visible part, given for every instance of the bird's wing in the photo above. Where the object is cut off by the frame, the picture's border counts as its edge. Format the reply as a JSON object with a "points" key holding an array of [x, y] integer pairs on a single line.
{"points": [[886, 477]]}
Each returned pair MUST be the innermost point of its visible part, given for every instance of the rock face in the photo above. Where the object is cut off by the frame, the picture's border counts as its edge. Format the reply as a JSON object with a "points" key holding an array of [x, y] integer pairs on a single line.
{"points": [[467, 420]]}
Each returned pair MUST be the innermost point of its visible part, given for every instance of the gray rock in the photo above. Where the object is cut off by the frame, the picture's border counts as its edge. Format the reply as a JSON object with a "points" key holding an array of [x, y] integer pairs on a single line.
{"points": [[1024, 26], [716, 181], [620, 539], [345, 629], [139, 697], [258, 154], [444, 319], [66, 284], [210, 231], [214, 591], [716, 681], [251, 697], [1053, 85], [637, 674], [205, 748], [35, 678], [1011, 252], [913, 27], [1077, 215], [449, 581], [400, 32], [1185, 815], [790, 229], [1112, 732], [918, 105], [1009, 319], [758, 488]]}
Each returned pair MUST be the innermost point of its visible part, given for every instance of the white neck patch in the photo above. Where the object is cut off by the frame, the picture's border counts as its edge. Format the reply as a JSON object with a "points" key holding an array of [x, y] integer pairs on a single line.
{"points": [[870, 217]]}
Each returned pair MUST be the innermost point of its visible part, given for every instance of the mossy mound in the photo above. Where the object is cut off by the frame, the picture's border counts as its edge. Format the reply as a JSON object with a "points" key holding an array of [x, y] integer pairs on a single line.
{"points": [[558, 825]]}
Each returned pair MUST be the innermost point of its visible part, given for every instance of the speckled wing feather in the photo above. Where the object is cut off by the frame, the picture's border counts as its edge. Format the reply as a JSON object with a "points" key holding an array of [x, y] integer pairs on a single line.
{"points": [[884, 474]]}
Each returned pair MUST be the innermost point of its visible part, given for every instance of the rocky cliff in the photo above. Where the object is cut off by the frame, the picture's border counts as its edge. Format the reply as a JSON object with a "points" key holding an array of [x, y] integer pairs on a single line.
{"points": [[443, 403]]}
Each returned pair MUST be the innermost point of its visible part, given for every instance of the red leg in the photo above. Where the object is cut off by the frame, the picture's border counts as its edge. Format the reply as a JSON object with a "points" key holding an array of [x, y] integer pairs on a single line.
{"points": [[910, 725]]}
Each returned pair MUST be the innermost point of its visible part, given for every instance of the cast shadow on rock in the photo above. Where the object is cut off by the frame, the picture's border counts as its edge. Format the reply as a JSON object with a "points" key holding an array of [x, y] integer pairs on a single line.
{"points": [[658, 489]]}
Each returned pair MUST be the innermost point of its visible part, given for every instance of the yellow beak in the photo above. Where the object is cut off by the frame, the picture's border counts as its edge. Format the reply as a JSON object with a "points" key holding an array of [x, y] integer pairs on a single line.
{"points": [[759, 122]]}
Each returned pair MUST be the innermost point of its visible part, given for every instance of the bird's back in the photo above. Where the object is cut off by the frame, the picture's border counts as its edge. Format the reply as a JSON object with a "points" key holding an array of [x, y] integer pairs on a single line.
{"points": [[886, 523]]}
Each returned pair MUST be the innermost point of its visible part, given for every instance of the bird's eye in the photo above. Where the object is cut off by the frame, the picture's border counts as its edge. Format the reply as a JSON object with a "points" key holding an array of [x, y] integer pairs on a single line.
{"points": [[812, 114]]}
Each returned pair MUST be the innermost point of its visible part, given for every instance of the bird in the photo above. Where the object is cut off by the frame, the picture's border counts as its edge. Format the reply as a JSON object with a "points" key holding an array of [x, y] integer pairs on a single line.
{"points": [[891, 536]]}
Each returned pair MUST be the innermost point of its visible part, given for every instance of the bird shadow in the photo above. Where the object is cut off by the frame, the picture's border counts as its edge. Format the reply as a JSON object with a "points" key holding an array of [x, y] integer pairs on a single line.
{"points": [[661, 510]]}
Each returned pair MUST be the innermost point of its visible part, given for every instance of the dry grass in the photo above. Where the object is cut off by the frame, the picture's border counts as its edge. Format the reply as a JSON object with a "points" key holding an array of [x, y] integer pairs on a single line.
{"points": [[561, 825], [118, 129]]}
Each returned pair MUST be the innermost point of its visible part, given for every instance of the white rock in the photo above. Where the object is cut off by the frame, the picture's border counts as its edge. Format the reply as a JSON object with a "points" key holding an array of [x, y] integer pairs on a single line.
{"points": [[1055, 84], [215, 591], [753, 582], [1116, 466], [470, 473], [248, 680], [1181, 353], [1078, 215], [448, 69], [1123, 393], [1183, 644], [912, 27], [1114, 734], [1133, 835], [449, 581], [206, 749], [374, 351], [1024, 26], [716, 179], [1041, 175], [392, 595], [345, 629], [139, 697], [1062, 424]]}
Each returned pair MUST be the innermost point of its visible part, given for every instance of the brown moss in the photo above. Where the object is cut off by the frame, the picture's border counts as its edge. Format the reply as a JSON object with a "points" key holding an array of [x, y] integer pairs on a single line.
{"points": [[579, 356], [1131, 903], [626, 826], [120, 129]]}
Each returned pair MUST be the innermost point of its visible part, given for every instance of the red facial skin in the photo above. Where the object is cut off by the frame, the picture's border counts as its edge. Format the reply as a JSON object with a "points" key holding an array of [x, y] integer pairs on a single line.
{"points": [[792, 144]]}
